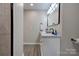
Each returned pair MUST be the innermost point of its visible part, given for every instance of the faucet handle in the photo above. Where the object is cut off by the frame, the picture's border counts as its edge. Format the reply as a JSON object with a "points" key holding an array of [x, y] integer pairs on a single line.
{"points": [[54, 32]]}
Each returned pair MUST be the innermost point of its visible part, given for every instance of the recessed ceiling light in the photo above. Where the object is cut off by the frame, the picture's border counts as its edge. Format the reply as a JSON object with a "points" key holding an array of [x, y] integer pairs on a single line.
{"points": [[31, 4]]}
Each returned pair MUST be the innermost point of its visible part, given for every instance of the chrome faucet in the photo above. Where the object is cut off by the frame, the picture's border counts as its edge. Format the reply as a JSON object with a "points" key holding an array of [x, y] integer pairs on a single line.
{"points": [[54, 31]]}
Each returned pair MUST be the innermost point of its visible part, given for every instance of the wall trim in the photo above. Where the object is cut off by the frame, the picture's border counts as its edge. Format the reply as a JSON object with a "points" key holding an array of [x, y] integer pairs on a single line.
{"points": [[32, 43]]}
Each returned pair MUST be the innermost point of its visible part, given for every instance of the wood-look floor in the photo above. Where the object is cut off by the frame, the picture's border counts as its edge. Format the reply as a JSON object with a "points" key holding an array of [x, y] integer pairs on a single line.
{"points": [[32, 50]]}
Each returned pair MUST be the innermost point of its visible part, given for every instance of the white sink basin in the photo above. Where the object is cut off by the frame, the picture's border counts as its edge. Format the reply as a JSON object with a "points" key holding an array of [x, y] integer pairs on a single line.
{"points": [[44, 34]]}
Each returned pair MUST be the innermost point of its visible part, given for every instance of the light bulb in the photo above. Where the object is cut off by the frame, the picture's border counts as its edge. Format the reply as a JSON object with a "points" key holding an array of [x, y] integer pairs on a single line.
{"points": [[31, 4]]}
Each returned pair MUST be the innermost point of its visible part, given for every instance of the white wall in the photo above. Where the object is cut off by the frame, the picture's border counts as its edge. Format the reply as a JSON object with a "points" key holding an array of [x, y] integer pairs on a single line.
{"points": [[32, 21], [18, 29], [70, 28]]}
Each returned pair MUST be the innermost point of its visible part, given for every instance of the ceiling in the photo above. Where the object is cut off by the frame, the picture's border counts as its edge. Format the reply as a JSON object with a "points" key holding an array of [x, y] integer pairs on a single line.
{"points": [[37, 6]]}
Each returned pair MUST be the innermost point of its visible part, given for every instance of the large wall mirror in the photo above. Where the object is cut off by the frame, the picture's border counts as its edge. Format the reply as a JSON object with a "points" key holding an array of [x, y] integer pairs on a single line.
{"points": [[53, 14]]}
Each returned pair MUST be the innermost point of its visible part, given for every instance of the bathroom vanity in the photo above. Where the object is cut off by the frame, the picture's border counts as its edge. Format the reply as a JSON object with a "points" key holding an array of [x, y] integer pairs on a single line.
{"points": [[50, 40], [50, 44]]}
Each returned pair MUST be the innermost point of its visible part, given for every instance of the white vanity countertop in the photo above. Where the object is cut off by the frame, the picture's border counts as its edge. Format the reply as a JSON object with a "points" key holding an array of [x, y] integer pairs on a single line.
{"points": [[44, 34]]}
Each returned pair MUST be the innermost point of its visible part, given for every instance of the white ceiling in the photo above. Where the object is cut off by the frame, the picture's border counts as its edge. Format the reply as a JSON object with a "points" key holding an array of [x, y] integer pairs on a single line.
{"points": [[37, 6]]}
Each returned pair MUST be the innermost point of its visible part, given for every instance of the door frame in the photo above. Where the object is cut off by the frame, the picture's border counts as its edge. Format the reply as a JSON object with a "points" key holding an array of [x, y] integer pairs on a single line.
{"points": [[11, 7]]}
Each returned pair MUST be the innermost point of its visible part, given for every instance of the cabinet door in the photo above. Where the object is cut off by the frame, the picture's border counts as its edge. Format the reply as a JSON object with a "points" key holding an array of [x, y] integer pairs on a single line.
{"points": [[50, 46], [5, 29]]}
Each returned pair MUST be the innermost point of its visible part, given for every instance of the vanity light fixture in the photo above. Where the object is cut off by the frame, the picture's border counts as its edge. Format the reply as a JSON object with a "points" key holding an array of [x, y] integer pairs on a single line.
{"points": [[31, 4]]}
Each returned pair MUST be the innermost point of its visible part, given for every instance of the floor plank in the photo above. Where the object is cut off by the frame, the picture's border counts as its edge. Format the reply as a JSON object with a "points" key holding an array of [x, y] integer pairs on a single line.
{"points": [[32, 50]]}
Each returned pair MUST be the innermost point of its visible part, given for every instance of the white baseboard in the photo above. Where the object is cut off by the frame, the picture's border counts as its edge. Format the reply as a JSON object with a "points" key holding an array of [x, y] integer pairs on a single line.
{"points": [[32, 43]]}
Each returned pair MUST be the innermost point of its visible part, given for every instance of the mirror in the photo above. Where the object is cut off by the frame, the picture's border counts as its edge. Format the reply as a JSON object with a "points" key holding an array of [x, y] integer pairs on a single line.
{"points": [[53, 15]]}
